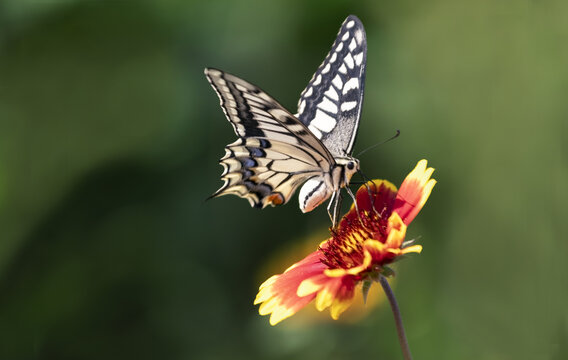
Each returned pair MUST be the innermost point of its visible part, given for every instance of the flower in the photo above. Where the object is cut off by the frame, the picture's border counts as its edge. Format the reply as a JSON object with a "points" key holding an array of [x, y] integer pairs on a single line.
{"points": [[368, 237], [289, 253]]}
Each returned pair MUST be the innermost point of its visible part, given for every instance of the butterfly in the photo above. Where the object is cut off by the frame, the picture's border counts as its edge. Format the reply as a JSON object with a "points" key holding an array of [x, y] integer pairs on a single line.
{"points": [[277, 151]]}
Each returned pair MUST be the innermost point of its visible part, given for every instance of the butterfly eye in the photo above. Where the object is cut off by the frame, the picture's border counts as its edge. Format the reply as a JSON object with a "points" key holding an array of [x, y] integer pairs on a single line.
{"points": [[351, 165]]}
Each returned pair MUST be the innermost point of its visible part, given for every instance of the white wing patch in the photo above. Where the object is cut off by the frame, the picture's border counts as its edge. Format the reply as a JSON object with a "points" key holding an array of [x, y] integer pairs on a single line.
{"points": [[349, 61], [359, 36], [328, 105], [315, 131], [332, 93], [318, 80], [333, 58], [323, 121], [348, 105], [351, 84], [352, 45], [301, 108], [359, 59], [337, 82]]}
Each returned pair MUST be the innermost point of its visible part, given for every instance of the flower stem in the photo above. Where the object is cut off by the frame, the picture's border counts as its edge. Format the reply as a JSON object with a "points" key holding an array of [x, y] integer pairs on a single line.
{"points": [[397, 318]]}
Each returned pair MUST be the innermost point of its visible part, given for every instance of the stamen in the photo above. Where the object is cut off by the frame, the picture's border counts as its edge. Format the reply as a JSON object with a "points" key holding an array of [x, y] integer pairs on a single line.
{"points": [[345, 249]]}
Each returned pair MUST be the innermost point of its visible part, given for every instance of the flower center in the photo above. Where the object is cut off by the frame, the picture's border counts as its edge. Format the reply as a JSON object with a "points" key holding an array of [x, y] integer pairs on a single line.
{"points": [[345, 249]]}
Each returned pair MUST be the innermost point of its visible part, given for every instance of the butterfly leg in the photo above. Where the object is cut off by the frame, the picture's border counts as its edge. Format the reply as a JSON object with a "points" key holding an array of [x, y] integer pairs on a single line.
{"points": [[355, 204], [367, 180], [334, 208], [371, 199]]}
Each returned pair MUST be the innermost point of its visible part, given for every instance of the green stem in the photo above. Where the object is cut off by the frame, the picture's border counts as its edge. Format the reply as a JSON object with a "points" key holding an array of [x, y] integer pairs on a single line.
{"points": [[397, 318]]}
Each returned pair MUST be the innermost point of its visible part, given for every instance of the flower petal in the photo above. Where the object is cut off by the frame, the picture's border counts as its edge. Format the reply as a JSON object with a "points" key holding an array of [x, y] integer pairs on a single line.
{"points": [[344, 296], [382, 191], [334, 273], [326, 296], [375, 249], [396, 231], [309, 286], [412, 249], [283, 295], [414, 192], [278, 295], [338, 294]]}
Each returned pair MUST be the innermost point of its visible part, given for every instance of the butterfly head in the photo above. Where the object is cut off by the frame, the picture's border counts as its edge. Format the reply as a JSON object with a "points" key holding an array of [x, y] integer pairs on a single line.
{"points": [[350, 167]]}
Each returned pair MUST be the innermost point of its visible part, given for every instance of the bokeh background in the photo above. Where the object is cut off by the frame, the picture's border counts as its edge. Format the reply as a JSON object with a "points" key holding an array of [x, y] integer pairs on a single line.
{"points": [[109, 141]]}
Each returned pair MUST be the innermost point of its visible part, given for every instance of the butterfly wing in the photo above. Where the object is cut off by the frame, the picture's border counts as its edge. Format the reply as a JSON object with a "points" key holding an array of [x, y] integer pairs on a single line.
{"points": [[275, 152], [330, 106]]}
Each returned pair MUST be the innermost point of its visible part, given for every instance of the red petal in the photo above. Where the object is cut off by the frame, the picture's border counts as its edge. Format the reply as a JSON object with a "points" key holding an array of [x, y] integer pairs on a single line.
{"points": [[414, 192], [377, 193], [278, 294]]}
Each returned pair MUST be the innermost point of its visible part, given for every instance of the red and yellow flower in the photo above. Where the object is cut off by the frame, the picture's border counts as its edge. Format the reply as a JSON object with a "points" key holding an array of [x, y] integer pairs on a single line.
{"points": [[358, 250]]}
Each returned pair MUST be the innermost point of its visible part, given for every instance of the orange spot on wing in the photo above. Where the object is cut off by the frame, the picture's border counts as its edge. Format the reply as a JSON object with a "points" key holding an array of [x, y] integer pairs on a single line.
{"points": [[275, 199]]}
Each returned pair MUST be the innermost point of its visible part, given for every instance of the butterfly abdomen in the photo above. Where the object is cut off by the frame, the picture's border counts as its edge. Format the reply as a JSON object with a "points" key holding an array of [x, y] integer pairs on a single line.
{"points": [[313, 193]]}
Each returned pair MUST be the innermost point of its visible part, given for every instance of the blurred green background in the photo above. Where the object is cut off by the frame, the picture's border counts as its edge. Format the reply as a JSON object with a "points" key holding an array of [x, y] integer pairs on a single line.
{"points": [[109, 141]]}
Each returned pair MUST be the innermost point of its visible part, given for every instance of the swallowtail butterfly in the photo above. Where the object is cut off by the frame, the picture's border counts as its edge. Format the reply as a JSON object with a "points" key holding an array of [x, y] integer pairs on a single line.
{"points": [[276, 151]]}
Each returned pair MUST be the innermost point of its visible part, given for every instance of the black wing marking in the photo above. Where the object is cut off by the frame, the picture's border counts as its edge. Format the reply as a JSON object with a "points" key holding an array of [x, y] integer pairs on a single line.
{"points": [[331, 103], [275, 153]]}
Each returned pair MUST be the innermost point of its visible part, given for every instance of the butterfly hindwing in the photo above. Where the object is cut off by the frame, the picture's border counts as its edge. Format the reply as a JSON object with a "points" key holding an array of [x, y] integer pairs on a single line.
{"points": [[275, 152], [331, 103]]}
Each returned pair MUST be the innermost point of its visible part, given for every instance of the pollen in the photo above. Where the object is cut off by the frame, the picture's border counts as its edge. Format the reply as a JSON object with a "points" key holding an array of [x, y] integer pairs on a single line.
{"points": [[345, 249]]}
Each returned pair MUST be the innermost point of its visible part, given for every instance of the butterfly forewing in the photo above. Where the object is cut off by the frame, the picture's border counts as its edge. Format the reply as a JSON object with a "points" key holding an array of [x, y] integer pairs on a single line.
{"points": [[275, 153], [331, 103]]}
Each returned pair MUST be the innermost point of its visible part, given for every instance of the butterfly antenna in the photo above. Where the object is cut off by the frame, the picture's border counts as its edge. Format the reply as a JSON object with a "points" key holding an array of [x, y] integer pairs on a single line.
{"points": [[380, 143]]}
